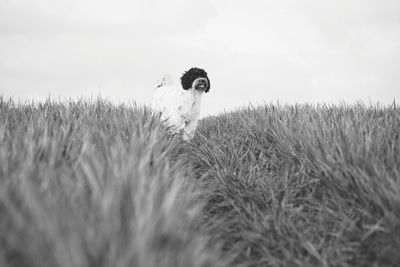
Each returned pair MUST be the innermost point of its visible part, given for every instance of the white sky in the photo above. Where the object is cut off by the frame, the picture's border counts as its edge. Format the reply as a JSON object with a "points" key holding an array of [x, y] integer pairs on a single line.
{"points": [[254, 51]]}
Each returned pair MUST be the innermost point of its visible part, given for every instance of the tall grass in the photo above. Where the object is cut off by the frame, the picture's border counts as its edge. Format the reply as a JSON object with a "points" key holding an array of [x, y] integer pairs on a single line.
{"points": [[93, 184], [89, 183], [303, 185]]}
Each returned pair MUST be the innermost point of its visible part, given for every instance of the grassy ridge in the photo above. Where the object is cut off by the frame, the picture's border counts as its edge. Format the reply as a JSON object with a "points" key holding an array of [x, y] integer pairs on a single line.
{"points": [[303, 185], [93, 184]]}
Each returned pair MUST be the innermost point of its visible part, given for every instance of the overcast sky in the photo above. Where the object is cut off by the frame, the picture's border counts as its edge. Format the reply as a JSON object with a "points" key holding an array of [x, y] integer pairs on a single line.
{"points": [[254, 51]]}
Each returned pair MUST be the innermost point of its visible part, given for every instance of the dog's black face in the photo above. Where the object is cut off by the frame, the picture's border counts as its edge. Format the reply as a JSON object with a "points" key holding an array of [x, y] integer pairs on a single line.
{"points": [[196, 78]]}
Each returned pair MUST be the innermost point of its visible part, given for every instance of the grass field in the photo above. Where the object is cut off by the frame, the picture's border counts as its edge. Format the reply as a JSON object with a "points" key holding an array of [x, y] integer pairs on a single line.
{"points": [[89, 183]]}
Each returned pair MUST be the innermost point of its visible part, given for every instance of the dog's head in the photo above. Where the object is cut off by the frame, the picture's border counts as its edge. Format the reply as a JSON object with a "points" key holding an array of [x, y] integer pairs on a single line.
{"points": [[196, 78]]}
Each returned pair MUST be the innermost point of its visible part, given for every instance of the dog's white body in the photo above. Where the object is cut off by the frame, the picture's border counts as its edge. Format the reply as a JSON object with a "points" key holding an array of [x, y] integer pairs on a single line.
{"points": [[181, 108]]}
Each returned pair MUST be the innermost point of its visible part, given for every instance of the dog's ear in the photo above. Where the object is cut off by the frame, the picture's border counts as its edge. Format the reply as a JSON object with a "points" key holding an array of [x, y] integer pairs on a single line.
{"points": [[208, 86], [186, 80]]}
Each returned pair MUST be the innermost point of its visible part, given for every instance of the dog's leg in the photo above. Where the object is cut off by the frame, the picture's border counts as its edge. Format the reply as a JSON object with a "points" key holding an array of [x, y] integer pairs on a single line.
{"points": [[190, 128]]}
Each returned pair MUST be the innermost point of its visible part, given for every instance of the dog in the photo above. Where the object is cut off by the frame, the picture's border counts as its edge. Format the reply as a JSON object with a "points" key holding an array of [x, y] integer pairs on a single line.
{"points": [[179, 105]]}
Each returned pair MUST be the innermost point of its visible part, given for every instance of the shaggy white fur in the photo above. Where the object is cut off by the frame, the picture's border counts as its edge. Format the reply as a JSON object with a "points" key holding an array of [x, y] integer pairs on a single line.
{"points": [[180, 107]]}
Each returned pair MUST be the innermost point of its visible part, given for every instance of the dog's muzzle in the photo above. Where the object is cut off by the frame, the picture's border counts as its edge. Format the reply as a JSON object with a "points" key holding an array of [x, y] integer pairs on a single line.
{"points": [[200, 84]]}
